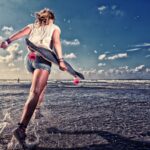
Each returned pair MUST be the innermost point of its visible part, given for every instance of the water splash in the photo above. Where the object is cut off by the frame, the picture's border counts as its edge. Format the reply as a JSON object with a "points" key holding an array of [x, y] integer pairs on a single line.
{"points": [[5, 121], [13, 144], [37, 136]]}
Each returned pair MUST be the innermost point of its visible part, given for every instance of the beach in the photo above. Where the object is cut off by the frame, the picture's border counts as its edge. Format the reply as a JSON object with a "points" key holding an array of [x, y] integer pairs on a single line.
{"points": [[94, 115]]}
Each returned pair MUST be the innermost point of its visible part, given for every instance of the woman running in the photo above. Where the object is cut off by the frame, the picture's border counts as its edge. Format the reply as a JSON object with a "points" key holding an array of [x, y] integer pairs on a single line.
{"points": [[44, 33]]}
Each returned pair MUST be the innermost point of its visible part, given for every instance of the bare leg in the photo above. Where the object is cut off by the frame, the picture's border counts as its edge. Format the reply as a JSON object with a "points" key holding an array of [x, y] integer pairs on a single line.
{"points": [[41, 98], [39, 81], [37, 113]]}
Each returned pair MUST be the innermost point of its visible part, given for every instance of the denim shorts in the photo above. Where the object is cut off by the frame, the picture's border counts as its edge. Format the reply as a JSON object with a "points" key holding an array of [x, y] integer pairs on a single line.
{"points": [[37, 63]]}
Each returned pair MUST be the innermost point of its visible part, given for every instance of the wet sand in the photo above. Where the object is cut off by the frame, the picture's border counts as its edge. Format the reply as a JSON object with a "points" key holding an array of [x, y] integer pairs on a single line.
{"points": [[106, 115]]}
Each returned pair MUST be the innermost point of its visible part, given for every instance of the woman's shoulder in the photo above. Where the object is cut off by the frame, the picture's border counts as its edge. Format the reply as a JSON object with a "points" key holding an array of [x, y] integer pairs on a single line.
{"points": [[56, 27], [32, 25]]}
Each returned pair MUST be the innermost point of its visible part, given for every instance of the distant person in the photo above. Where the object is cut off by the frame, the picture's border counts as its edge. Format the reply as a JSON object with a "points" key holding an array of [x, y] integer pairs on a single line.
{"points": [[18, 80], [43, 32]]}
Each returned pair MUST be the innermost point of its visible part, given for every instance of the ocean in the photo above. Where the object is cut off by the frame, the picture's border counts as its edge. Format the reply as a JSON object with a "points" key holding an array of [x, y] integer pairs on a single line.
{"points": [[93, 115]]}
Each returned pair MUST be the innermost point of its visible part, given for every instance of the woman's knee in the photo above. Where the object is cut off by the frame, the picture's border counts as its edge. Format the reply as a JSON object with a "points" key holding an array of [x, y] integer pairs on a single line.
{"points": [[35, 91]]}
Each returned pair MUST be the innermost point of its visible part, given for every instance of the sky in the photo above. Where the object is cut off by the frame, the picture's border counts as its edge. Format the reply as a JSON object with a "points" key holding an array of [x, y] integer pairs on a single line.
{"points": [[103, 39]]}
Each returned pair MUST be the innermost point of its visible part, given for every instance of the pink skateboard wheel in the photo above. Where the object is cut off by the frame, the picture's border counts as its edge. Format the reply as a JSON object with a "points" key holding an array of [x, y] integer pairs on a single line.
{"points": [[76, 81], [32, 56]]}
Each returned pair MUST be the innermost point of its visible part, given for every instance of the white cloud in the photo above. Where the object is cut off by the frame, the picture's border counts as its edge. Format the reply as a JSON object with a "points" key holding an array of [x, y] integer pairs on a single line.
{"points": [[69, 21], [148, 70], [133, 49], [7, 30], [113, 10], [102, 57], [101, 64], [126, 73], [123, 72], [147, 56], [74, 42], [89, 72], [143, 45], [95, 51], [124, 68], [101, 9], [13, 54], [121, 55], [139, 68], [118, 13], [107, 52], [117, 56], [100, 71], [113, 7], [127, 70], [70, 56]]}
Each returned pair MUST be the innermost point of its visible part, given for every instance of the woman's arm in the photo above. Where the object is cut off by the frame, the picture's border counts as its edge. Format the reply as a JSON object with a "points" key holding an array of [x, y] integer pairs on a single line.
{"points": [[57, 45], [25, 31]]}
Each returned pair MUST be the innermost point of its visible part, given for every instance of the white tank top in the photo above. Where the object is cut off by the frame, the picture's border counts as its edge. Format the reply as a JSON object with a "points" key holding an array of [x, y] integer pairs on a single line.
{"points": [[42, 36]]}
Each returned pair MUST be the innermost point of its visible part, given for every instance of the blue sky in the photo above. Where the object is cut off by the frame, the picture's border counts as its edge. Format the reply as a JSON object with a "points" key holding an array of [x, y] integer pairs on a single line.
{"points": [[104, 39]]}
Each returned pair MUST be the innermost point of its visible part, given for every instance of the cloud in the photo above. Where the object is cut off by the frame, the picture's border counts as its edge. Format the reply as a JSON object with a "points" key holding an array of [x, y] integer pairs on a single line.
{"points": [[74, 42], [118, 13], [115, 11], [124, 72], [113, 7], [95, 51], [148, 70], [67, 20], [122, 55], [13, 54], [101, 9], [112, 10], [139, 68], [143, 45], [70, 56], [102, 57], [89, 72], [133, 50], [100, 71], [7, 30], [101, 64], [117, 56], [147, 56]]}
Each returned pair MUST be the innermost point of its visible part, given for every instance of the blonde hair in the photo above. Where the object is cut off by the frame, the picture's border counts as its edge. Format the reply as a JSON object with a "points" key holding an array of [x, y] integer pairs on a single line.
{"points": [[43, 16]]}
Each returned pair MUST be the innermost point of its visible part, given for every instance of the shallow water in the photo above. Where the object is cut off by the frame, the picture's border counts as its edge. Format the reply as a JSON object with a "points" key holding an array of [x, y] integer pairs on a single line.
{"points": [[95, 114]]}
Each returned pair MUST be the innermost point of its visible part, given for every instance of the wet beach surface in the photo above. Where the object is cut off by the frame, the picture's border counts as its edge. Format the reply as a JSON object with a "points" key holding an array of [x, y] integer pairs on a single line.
{"points": [[105, 115]]}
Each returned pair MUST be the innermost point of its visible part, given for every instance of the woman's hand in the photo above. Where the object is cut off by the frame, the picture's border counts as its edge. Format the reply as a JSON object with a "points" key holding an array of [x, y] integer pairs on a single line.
{"points": [[62, 66], [4, 45]]}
